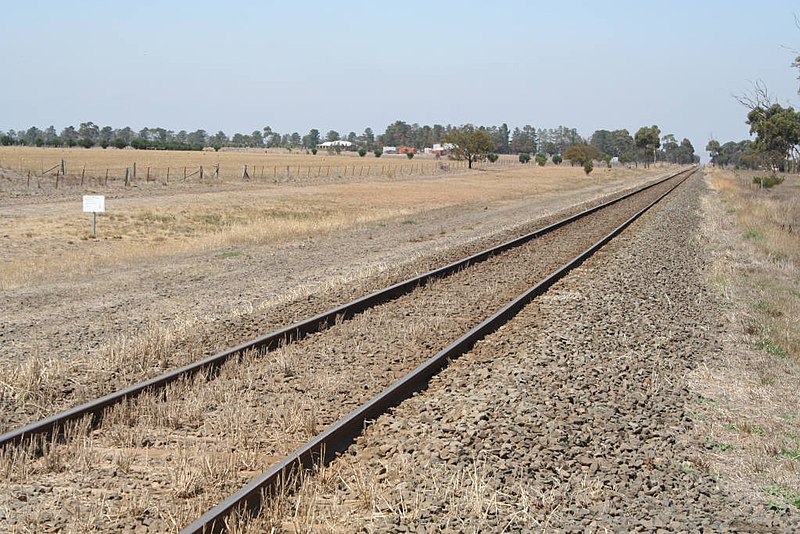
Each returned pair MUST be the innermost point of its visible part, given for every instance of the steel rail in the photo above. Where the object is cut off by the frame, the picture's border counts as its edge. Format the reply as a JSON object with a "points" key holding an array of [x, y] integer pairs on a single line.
{"points": [[336, 438], [293, 332]]}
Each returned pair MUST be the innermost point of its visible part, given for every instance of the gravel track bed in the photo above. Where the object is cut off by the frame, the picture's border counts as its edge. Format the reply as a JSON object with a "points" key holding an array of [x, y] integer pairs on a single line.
{"points": [[187, 449], [574, 417], [70, 360]]}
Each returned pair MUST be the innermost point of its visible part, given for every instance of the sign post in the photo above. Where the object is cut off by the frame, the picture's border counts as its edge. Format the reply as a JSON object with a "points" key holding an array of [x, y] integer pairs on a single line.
{"points": [[94, 204]]}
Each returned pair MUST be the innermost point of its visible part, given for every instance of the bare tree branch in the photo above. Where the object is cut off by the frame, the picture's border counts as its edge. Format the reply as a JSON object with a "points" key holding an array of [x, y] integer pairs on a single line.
{"points": [[757, 98]]}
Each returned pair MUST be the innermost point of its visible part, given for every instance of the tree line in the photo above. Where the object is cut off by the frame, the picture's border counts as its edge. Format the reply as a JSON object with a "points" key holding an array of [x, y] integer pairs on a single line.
{"points": [[645, 146]]}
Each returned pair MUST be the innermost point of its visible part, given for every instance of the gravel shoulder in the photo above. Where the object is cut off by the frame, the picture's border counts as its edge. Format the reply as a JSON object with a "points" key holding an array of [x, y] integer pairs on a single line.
{"points": [[576, 416]]}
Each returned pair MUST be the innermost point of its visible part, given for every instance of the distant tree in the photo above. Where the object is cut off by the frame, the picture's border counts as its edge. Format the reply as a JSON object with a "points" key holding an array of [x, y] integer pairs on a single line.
{"points": [[69, 134], [648, 139], [89, 131], [125, 134], [670, 147], [580, 154], [712, 148], [524, 139], [332, 135], [777, 132], [50, 135], [106, 134], [684, 154], [470, 143], [311, 139], [6, 140], [219, 139], [398, 133], [501, 138], [257, 139], [368, 138]]}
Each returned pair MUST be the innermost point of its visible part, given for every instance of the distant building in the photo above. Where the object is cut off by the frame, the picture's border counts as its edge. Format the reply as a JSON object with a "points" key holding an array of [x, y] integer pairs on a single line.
{"points": [[390, 150], [442, 149], [333, 144]]}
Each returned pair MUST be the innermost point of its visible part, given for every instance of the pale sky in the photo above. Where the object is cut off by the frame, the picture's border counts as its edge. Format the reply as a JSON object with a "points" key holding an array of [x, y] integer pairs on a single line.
{"points": [[239, 66]]}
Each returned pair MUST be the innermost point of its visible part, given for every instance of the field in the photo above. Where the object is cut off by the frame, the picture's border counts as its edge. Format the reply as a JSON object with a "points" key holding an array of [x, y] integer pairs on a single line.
{"points": [[42, 166], [154, 218]]}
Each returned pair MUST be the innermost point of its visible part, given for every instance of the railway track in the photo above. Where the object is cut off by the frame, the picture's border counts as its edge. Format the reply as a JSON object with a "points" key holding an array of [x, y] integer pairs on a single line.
{"points": [[480, 285]]}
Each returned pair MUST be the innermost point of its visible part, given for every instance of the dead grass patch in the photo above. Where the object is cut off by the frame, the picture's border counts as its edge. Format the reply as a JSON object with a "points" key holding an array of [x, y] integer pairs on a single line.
{"points": [[749, 411], [50, 240]]}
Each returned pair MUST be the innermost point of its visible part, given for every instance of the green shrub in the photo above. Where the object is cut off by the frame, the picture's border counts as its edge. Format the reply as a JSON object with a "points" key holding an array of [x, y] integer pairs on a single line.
{"points": [[378, 152], [314, 151], [362, 151], [768, 181], [492, 157], [541, 159], [557, 159], [524, 157], [587, 167], [410, 155]]}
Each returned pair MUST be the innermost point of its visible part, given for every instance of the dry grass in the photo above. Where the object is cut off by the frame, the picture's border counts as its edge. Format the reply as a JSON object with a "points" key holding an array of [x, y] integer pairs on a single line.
{"points": [[748, 408], [50, 237], [262, 165]]}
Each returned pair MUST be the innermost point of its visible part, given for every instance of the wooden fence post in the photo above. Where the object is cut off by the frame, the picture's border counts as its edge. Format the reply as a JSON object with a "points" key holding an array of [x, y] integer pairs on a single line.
{"points": [[167, 180], [83, 173], [127, 176], [201, 173], [106, 181]]}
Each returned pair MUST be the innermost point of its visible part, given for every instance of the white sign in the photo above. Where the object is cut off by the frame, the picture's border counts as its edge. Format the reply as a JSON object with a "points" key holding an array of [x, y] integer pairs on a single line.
{"points": [[94, 203]]}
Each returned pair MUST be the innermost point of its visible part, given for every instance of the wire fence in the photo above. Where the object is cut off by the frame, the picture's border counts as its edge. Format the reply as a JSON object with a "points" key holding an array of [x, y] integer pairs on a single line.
{"points": [[66, 174]]}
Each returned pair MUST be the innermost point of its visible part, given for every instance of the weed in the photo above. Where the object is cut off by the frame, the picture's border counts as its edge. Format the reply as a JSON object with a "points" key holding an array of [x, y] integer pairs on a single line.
{"points": [[230, 254], [702, 401], [772, 348], [792, 454], [723, 447], [787, 496], [409, 221], [755, 234], [762, 306]]}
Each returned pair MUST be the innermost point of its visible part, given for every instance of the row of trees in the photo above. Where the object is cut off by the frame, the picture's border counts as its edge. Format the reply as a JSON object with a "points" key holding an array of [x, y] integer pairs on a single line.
{"points": [[642, 147]]}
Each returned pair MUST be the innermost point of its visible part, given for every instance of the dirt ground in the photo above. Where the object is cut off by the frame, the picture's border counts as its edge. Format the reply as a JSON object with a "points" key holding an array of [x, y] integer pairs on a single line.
{"points": [[74, 305]]}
